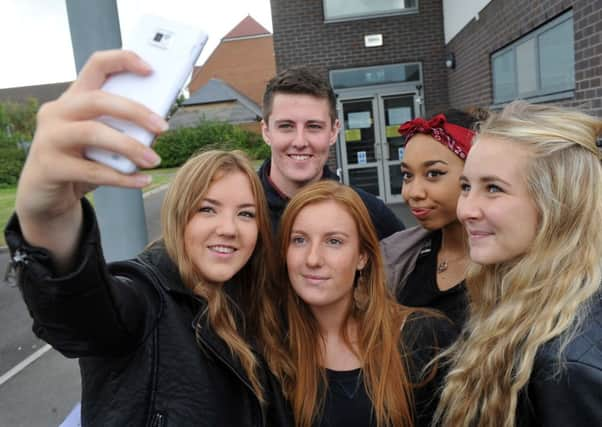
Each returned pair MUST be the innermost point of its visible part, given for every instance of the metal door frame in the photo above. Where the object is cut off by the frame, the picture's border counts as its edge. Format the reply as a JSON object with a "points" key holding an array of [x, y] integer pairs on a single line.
{"points": [[376, 94]]}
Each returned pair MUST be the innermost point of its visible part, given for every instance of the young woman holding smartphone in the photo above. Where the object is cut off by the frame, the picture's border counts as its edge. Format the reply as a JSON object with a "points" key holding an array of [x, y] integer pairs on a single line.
{"points": [[173, 337]]}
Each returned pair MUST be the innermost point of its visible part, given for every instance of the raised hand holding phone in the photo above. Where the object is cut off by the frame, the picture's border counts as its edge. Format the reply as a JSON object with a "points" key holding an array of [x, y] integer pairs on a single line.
{"points": [[171, 49], [56, 175]]}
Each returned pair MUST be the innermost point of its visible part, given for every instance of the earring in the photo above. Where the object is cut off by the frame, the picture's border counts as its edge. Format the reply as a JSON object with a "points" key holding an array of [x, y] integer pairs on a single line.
{"points": [[360, 292]]}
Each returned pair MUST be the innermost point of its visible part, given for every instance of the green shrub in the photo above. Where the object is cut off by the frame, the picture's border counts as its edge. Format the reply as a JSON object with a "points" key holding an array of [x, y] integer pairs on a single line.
{"points": [[17, 124], [176, 146], [11, 163], [18, 117]]}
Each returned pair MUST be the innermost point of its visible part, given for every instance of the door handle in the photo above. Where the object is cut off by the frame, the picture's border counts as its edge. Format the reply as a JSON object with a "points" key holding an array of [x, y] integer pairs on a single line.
{"points": [[385, 148], [378, 151]]}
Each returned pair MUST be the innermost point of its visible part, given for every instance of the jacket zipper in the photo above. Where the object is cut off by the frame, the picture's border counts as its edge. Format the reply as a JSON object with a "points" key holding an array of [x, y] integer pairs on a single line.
{"points": [[14, 267], [240, 377], [158, 420]]}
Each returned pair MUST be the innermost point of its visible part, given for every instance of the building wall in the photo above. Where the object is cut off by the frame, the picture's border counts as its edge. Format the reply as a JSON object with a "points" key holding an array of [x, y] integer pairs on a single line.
{"points": [[302, 38], [503, 21], [245, 64]]}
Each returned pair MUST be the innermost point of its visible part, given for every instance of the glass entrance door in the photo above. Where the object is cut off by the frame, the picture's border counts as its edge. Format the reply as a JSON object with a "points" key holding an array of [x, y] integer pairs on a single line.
{"points": [[396, 110], [361, 152], [371, 148]]}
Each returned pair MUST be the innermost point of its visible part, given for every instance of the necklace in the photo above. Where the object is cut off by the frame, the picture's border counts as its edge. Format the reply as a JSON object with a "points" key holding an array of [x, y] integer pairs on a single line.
{"points": [[444, 264]]}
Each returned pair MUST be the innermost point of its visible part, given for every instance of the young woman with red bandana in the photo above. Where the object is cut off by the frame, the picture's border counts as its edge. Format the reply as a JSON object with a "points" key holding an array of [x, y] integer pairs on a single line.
{"points": [[426, 264]]}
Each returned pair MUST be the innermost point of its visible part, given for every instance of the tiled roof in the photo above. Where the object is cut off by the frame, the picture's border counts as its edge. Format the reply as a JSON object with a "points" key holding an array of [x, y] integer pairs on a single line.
{"points": [[43, 93], [217, 90], [248, 27]]}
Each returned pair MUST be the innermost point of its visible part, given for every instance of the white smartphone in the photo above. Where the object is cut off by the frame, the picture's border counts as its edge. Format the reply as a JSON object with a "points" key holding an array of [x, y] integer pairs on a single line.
{"points": [[171, 49]]}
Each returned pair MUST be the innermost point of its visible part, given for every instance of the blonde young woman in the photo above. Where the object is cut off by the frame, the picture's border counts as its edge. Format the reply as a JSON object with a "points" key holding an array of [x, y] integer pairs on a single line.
{"points": [[164, 339], [355, 356], [532, 205]]}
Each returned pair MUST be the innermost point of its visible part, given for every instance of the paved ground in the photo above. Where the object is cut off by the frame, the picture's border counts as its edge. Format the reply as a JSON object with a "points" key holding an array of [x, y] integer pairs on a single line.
{"points": [[43, 392]]}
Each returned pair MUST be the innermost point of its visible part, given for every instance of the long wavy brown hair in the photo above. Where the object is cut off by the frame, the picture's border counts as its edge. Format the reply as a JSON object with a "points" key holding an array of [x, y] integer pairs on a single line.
{"points": [[255, 305], [519, 305], [379, 324]]}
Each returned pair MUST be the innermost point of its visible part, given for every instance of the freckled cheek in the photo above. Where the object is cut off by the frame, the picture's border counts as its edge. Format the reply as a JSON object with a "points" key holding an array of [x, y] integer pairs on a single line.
{"points": [[344, 268]]}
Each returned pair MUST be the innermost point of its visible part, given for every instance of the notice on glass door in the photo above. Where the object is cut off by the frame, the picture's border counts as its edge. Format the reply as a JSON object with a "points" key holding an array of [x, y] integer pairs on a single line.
{"points": [[352, 135], [393, 131], [399, 115], [359, 120], [361, 158]]}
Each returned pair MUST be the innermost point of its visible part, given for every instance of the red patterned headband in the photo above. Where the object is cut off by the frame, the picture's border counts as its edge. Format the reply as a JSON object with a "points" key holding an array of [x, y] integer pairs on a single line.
{"points": [[457, 138]]}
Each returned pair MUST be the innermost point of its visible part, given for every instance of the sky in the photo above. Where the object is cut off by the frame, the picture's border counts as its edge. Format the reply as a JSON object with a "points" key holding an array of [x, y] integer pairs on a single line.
{"points": [[37, 44]]}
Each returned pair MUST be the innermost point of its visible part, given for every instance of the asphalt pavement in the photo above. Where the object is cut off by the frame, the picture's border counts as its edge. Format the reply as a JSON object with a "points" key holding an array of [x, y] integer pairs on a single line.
{"points": [[38, 386]]}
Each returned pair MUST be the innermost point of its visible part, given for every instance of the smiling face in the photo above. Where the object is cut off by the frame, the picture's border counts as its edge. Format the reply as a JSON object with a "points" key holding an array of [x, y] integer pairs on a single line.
{"points": [[221, 235], [324, 255], [431, 187], [500, 216], [300, 132]]}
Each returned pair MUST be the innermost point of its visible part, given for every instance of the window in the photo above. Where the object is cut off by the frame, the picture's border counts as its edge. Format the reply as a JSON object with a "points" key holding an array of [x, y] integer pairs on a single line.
{"points": [[539, 67], [377, 75], [341, 10]]}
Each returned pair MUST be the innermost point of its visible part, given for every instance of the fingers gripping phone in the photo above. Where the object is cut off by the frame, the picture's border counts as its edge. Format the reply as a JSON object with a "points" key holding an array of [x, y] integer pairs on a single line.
{"points": [[171, 49]]}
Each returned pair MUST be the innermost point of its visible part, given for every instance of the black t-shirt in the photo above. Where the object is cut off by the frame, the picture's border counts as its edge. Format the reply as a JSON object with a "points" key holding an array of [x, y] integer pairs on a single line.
{"points": [[421, 288], [347, 404]]}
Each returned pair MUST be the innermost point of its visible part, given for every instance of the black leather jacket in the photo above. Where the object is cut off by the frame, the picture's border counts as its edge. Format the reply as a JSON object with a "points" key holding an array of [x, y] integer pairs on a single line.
{"points": [[132, 326], [572, 394]]}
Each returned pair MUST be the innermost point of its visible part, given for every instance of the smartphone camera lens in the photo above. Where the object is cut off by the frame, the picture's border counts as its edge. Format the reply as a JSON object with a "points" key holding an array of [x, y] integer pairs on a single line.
{"points": [[158, 37]]}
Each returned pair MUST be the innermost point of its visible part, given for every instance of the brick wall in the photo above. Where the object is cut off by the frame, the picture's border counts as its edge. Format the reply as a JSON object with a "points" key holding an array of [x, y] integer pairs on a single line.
{"points": [[302, 38], [245, 64], [502, 22]]}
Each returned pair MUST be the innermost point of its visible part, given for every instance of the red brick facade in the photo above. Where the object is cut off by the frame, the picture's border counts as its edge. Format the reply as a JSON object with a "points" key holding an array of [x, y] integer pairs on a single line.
{"points": [[245, 62]]}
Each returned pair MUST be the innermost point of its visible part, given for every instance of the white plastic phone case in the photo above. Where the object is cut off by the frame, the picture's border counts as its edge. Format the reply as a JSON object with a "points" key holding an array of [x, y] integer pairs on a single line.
{"points": [[171, 49]]}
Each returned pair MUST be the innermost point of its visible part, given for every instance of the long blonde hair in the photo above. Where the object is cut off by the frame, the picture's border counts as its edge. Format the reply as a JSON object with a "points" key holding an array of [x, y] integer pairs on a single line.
{"points": [[378, 317], [182, 200], [519, 305]]}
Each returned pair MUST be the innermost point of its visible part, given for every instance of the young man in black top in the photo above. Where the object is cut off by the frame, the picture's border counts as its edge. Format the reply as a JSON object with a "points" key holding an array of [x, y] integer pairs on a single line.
{"points": [[300, 124]]}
